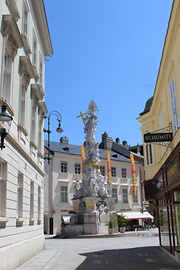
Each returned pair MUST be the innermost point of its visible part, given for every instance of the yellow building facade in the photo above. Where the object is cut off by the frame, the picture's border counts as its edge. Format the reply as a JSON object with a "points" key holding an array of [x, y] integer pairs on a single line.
{"points": [[162, 159]]}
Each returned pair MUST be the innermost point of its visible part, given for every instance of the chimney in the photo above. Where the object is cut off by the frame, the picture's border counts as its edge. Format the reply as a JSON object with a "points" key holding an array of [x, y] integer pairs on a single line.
{"points": [[117, 140], [64, 140], [138, 149], [106, 142], [125, 143]]}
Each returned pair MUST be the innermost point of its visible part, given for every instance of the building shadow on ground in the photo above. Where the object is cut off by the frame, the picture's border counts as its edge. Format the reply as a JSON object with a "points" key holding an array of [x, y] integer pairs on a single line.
{"points": [[143, 258]]}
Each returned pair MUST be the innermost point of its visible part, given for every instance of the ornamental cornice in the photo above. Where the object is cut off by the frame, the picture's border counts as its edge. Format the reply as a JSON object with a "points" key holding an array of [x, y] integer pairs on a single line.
{"points": [[42, 105], [26, 44], [13, 7], [35, 89], [10, 22], [26, 68]]}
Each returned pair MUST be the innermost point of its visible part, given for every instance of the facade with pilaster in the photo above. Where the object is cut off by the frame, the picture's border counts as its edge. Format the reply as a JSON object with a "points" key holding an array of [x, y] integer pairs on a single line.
{"points": [[24, 44], [162, 159]]}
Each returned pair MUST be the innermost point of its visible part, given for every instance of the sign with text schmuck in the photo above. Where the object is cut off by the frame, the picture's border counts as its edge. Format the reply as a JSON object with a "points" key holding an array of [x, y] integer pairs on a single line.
{"points": [[158, 137]]}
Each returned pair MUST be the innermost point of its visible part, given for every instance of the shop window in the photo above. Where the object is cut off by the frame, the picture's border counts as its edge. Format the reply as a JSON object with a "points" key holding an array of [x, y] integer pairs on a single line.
{"points": [[164, 228], [174, 105], [102, 169], [114, 194], [64, 197]]}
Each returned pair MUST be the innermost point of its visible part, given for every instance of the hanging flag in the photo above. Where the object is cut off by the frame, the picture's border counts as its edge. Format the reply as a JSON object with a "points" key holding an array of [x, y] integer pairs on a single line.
{"points": [[109, 164], [134, 175], [82, 154]]}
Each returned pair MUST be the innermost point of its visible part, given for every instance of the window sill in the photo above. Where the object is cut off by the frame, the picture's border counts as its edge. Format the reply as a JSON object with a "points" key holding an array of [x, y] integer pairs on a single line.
{"points": [[63, 173], [4, 219], [20, 220], [77, 174], [63, 181], [31, 221], [23, 129], [39, 221]]}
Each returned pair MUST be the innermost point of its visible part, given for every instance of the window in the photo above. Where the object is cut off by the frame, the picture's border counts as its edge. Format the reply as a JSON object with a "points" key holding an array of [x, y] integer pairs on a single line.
{"points": [[149, 155], [40, 133], [77, 168], [22, 105], [64, 194], [20, 195], [40, 70], [33, 124], [7, 76], [63, 166], [1, 190], [31, 199], [174, 105], [3, 169], [123, 172], [102, 169], [25, 18], [34, 56], [125, 196], [113, 171], [135, 200], [39, 202], [114, 194]]}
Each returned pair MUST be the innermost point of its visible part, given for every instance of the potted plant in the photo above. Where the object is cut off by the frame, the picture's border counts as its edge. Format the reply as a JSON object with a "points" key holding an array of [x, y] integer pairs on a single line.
{"points": [[161, 221], [110, 223], [122, 223]]}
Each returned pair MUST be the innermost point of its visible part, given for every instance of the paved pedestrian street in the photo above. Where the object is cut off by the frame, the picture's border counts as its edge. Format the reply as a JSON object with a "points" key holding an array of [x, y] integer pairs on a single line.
{"points": [[124, 252]]}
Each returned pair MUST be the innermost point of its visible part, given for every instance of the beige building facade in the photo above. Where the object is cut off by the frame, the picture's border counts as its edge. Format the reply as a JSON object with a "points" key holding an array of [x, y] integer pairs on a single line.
{"points": [[160, 118], [24, 44], [65, 167]]}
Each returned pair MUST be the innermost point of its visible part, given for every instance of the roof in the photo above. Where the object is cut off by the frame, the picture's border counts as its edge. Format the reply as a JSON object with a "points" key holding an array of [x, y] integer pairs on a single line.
{"points": [[74, 150], [147, 106]]}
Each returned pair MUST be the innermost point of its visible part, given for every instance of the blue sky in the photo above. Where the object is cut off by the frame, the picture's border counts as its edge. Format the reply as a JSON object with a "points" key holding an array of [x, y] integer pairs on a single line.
{"points": [[108, 51]]}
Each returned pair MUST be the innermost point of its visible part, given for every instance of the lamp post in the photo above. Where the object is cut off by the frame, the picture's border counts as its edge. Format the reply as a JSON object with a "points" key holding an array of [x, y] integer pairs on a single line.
{"points": [[59, 130], [4, 117]]}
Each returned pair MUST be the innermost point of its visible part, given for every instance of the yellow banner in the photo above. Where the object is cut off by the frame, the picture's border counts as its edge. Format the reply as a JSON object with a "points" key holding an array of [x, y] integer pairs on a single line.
{"points": [[133, 175], [82, 154], [109, 164]]}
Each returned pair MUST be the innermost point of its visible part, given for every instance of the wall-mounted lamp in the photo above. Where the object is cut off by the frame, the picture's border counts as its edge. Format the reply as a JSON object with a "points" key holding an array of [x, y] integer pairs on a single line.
{"points": [[4, 118]]}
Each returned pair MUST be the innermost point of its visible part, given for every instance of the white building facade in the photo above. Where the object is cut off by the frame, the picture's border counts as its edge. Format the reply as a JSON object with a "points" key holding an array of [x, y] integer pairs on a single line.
{"points": [[65, 167], [24, 44]]}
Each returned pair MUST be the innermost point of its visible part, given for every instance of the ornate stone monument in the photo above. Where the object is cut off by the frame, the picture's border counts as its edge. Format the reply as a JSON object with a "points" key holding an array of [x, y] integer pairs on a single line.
{"points": [[92, 200]]}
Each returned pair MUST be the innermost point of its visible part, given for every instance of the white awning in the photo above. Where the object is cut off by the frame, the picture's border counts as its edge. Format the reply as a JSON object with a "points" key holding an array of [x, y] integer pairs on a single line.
{"points": [[66, 219], [136, 215]]}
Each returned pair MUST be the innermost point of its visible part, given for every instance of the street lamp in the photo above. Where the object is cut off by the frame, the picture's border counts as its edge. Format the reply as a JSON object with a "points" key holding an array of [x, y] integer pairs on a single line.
{"points": [[59, 130], [4, 118]]}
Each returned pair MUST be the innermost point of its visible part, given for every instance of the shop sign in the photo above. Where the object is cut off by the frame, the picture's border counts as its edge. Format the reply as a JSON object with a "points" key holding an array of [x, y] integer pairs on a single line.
{"points": [[158, 137], [173, 170]]}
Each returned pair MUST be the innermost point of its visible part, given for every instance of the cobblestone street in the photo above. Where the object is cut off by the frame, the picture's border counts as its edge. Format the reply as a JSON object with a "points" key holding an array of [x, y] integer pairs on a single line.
{"points": [[124, 252]]}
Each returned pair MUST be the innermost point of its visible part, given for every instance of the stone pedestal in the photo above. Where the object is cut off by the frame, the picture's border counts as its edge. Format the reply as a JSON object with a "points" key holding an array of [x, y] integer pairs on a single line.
{"points": [[88, 219]]}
